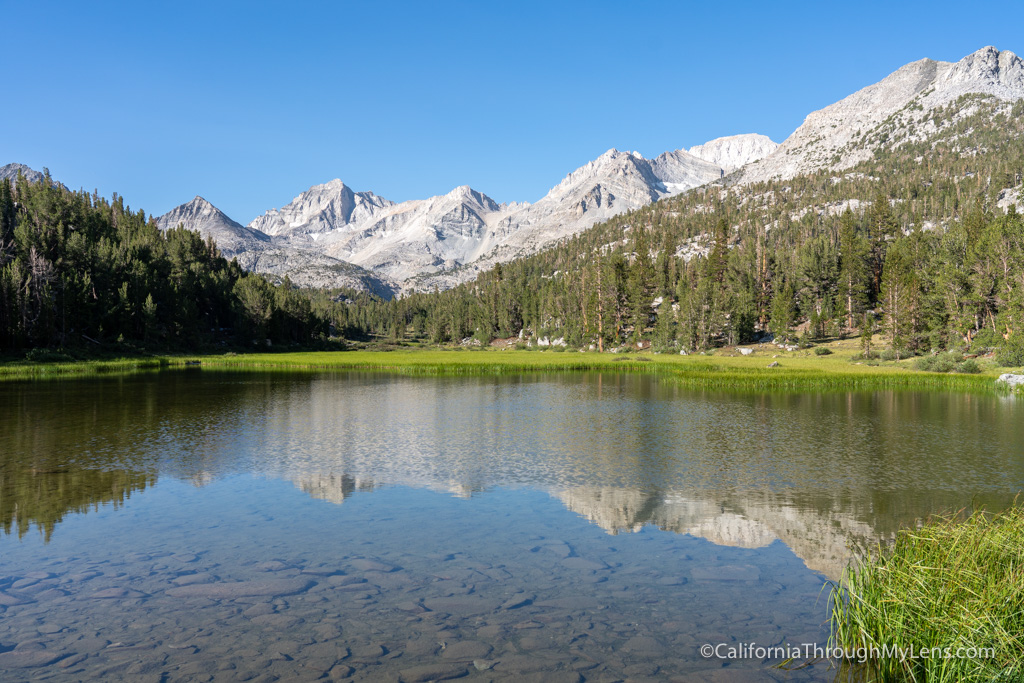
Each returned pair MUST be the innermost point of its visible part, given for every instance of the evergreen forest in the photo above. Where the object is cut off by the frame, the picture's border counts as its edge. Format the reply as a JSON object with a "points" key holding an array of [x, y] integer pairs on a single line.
{"points": [[921, 243]]}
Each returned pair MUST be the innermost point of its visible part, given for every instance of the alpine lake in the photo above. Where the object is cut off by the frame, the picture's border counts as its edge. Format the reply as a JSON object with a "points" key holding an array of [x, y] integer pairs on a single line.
{"points": [[197, 525]]}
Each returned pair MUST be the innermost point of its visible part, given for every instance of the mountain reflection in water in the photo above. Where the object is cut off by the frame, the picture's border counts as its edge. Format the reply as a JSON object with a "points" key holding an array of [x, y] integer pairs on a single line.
{"points": [[820, 472]]}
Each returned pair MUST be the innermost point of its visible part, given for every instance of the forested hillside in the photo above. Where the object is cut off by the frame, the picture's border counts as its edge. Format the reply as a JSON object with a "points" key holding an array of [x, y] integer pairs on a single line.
{"points": [[77, 270], [922, 243], [915, 243]]}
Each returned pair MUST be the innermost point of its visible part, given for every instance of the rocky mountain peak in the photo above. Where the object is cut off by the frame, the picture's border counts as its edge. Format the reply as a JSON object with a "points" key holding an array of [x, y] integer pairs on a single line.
{"points": [[734, 151], [11, 171], [335, 186], [201, 204], [321, 209], [612, 159], [1000, 73], [195, 209], [467, 195], [200, 215], [849, 131]]}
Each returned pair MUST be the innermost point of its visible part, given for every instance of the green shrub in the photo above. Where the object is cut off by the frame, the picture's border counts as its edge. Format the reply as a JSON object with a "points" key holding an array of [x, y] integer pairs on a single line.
{"points": [[968, 367], [950, 361], [822, 351], [925, 363], [1011, 353], [888, 354], [47, 356]]}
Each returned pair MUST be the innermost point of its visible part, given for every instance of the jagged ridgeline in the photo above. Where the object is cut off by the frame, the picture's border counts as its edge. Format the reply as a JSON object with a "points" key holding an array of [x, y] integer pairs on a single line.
{"points": [[78, 270], [893, 211]]}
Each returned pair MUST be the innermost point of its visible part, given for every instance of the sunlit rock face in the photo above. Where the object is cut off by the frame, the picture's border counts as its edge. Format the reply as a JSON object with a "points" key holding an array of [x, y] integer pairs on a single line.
{"points": [[735, 151], [331, 235], [891, 112], [200, 215]]}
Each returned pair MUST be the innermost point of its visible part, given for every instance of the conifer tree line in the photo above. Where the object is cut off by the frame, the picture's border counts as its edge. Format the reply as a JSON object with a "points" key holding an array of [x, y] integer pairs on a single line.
{"points": [[915, 243], [912, 244], [78, 270]]}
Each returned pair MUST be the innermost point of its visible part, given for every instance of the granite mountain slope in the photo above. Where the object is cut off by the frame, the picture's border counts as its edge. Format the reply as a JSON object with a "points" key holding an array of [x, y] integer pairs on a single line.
{"points": [[258, 251], [895, 110], [333, 235], [446, 239]]}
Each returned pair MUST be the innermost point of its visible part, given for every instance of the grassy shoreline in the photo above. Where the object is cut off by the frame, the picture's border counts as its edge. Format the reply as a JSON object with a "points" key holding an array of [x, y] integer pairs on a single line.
{"points": [[952, 587], [796, 371], [22, 370]]}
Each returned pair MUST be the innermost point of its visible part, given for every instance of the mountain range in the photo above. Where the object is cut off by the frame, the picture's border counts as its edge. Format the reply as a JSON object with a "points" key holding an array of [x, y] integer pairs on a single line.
{"points": [[332, 235]]}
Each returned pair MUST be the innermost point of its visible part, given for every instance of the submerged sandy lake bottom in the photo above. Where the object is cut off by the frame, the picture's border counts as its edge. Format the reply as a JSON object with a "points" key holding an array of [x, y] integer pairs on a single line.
{"points": [[231, 527]]}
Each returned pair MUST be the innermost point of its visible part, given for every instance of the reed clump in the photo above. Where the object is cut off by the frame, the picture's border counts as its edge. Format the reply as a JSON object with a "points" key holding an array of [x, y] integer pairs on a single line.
{"points": [[944, 602]]}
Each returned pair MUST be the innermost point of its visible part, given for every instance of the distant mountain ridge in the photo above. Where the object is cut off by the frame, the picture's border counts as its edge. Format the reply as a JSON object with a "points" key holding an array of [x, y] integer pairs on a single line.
{"points": [[11, 172], [258, 251], [333, 235], [735, 151], [232, 238], [887, 113], [446, 239]]}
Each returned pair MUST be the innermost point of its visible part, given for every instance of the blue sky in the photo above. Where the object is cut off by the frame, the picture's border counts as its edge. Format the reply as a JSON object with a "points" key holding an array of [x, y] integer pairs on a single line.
{"points": [[250, 103]]}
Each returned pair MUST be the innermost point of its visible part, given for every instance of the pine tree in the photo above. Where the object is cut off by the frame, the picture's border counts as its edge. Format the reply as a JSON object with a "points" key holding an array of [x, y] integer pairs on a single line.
{"points": [[641, 283], [897, 295], [882, 228], [854, 279], [783, 305]]}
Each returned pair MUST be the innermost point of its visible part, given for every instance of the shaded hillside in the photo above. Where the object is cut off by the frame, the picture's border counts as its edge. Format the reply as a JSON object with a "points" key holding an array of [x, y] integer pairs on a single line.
{"points": [[80, 270]]}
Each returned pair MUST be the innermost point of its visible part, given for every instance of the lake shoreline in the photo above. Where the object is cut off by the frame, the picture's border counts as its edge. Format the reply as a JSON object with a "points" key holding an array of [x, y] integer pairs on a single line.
{"points": [[725, 369], [917, 595]]}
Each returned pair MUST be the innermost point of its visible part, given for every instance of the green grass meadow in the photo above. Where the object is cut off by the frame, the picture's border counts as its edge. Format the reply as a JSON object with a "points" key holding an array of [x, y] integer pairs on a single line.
{"points": [[725, 369]]}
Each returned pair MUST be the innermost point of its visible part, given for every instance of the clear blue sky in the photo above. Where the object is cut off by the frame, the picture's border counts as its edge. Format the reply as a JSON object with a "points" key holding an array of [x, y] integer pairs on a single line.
{"points": [[250, 103]]}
